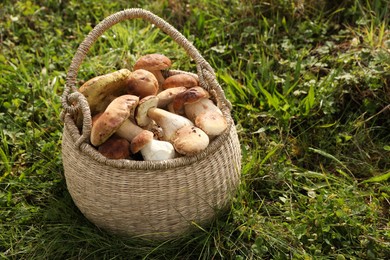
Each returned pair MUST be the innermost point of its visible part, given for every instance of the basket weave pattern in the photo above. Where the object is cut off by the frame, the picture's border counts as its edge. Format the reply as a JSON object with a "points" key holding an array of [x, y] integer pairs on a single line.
{"points": [[154, 199]]}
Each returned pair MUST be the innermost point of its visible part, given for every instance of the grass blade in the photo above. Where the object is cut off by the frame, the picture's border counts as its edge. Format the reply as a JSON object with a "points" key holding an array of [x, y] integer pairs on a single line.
{"points": [[380, 178]]}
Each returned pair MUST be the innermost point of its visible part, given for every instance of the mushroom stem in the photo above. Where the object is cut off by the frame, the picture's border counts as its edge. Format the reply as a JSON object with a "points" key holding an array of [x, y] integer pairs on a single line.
{"points": [[168, 121], [150, 148], [158, 150], [159, 76], [192, 110], [178, 130], [128, 130]]}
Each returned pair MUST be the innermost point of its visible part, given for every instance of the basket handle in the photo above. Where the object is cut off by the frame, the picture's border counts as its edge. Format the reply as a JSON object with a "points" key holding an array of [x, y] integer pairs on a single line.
{"points": [[207, 77]]}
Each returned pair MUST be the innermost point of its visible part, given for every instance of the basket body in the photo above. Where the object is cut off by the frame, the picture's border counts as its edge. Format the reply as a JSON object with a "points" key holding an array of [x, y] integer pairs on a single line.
{"points": [[152, 199], [154, 203]]}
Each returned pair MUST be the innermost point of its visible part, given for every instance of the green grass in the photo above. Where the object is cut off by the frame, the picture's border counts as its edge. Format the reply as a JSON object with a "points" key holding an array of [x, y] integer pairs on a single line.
{"points": [[310, 86]]}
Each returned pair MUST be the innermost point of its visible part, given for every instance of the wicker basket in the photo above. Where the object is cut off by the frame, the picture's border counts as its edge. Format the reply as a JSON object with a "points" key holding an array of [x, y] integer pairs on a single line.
{"points": [[153, 199]]}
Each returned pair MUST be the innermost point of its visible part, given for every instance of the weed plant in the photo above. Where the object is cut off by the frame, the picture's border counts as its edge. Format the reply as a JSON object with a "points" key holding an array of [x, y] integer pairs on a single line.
{"points": [[310, 86]]}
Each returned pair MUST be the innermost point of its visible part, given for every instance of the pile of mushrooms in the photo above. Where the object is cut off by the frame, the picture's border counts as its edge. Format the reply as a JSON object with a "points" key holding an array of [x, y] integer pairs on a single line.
{"points": [[140, 112]]}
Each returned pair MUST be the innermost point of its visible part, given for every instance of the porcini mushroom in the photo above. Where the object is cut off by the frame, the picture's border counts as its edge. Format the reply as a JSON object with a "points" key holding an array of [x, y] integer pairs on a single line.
{"points": [[154, 63], [115, 120], [151, 149], [144, 105], [201, 110], [167, 96], [142, 83], [177, 129], [169, 122], [111, 120], [180, 80], [188, 96], [101, 90]]}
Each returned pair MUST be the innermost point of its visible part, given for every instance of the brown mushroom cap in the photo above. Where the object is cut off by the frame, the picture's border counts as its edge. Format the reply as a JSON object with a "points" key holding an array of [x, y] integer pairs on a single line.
{"points": [[167, 96], [142, 83], [189, 96], [112, 118], [190, 140], [180, 80], [101, 90], [152, 62], [115, 148], [140, 141]]}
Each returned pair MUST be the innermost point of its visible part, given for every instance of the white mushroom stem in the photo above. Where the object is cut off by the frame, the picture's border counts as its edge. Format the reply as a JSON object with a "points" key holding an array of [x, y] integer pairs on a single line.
{"points": [[158, 150], [192, 110], [153, 150], [168, 121]]}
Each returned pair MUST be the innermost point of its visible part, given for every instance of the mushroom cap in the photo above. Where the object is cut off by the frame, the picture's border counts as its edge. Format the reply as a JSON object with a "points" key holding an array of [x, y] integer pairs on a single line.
{"points": [[211, 122], [115, 148], [112, 118], [142, 83], [101, 90], [191, 95], [96, 117], [140, 141], [167, 95], [141, 112], [190, 140], [180, 80], [153, 62]]}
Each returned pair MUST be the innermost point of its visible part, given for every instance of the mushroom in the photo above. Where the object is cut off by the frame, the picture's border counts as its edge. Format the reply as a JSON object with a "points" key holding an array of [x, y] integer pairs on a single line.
{"points": [[141, 111], [115, 119], [166, 96], [169, 122], [151, 149], [180, 80], [201, 110], [107, 123], [101, 90], [154, 63], [188, 96], [177, 129], [115, 148], [142, 83]]}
